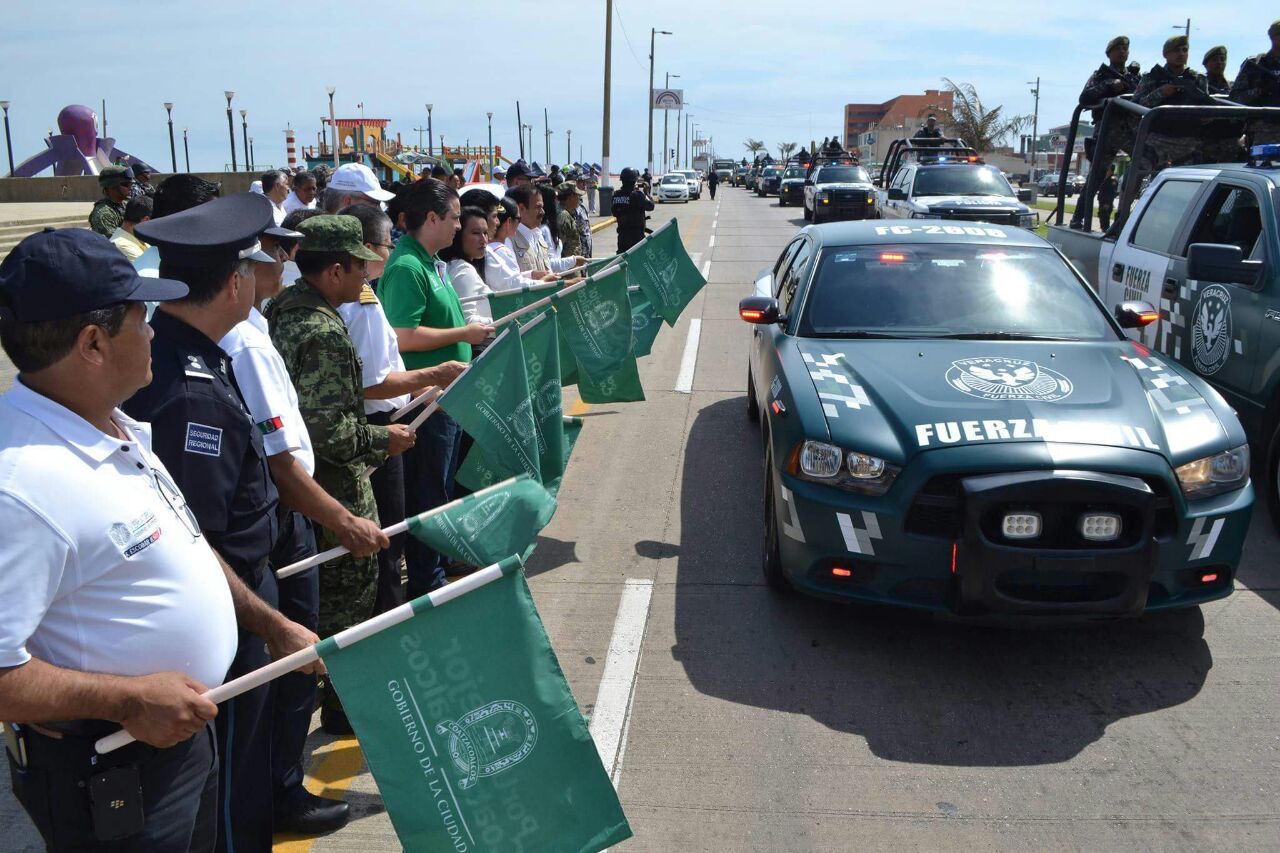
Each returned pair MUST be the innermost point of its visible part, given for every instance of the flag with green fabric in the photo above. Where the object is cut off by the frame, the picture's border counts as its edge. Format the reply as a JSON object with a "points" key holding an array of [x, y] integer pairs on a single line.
{"points": [[491, 401], [468, 725], [662, 268], [646, 322], [488, 525], [506, 302], [595, 321]]}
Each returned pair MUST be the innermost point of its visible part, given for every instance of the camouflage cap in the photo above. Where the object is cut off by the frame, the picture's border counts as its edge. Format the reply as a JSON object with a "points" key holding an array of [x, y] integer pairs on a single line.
{"points": [[331, 233], [1174, 42], [1218, 50], [567, 189], [115, 176], [1118, 41]]}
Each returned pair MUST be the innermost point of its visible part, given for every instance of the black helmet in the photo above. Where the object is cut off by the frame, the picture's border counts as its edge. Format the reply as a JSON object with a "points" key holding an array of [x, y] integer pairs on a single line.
{"points": [[628, 175]]}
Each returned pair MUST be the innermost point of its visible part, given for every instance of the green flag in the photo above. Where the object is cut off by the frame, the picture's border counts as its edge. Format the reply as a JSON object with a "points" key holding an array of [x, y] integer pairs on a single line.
{"points": [[468, 725], [665, 272], [491, 402], [596, 265], [617, 386], [646, 322], [489, 525], [595, 320], [504, 302]]}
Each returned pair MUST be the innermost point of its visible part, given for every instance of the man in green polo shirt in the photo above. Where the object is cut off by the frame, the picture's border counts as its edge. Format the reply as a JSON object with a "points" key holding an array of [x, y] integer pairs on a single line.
{"points": [[423, 308]]}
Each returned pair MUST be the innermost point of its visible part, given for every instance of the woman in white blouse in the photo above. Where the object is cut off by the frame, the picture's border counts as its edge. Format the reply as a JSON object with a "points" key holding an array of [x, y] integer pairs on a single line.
{"points": [[466, 259], [501, 269]]}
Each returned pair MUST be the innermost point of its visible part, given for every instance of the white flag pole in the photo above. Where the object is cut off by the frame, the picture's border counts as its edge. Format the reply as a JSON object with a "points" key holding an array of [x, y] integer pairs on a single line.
{"points": [[394, 530], [414, 403], [547, 300], [343, 639]]}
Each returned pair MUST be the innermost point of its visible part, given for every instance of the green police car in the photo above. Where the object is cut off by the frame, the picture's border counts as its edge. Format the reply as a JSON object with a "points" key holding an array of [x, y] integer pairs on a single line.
{"points": [[953, 421]]}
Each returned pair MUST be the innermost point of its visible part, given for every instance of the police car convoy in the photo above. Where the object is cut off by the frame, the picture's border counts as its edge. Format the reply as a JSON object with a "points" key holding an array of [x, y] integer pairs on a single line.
{"points": [[952, 420]]}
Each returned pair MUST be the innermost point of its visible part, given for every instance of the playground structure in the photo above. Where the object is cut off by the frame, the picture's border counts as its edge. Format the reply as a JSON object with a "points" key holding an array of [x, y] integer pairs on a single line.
{"points": [[365, 140]]}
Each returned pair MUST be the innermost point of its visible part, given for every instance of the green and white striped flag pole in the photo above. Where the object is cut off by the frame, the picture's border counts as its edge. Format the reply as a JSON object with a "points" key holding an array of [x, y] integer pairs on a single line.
{"points": [[340, 640]]}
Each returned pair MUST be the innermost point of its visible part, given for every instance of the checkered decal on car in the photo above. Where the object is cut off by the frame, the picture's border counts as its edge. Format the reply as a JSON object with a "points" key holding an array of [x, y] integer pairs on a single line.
{"points": [[835, 389]]}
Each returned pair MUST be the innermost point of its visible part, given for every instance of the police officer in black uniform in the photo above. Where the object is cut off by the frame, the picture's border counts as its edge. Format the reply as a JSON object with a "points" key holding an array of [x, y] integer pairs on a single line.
{"points": [[630, 204], [204, 434], [930, 134]]}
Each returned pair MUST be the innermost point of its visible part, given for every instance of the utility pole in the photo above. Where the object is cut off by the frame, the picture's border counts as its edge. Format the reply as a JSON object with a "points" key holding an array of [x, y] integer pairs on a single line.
{"points": [[568, 146], [420, 130], [666, 114], [104, 118], [430, 146], [1185, 28], [546, 132], [608, 53], [653, 33], [520, 129], [679, 147], [231, 128], [173, 150], [1035, 129], [688, 141], [493, 158]]}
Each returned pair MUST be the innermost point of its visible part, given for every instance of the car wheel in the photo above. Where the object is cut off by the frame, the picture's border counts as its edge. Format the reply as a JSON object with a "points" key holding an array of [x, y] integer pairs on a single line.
{"points": [[753, 406], [771, 556], [817, 217], [808, 215], [1272, 477]]}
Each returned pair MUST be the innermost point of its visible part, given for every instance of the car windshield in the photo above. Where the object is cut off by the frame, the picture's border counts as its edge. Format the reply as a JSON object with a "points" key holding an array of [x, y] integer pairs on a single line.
{"points": [[674, 179], [938, 290], [961, 180], [794, 172], [842, 175], [770, 172]]}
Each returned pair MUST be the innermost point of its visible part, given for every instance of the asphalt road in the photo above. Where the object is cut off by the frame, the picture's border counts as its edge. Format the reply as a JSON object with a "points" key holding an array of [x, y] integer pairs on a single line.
{"points": [[734, 719]]}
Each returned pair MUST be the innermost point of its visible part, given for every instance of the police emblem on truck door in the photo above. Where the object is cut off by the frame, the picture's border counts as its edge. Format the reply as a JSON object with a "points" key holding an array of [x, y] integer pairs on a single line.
{"points": [[1211, 331]]}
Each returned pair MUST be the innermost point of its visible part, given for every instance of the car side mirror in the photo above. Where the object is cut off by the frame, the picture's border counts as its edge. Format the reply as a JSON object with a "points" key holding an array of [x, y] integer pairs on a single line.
{"points": [[1136, 315], [1221, 262], [760, 310], [897, 194], [1026, 196]]}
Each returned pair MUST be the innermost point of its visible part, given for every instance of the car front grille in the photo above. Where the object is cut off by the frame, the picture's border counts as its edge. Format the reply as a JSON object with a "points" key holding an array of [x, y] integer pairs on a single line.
{"points": [[994, 218]]}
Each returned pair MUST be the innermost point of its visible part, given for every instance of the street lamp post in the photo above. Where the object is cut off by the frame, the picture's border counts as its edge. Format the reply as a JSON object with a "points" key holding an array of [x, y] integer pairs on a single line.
{"points": [[568, 147], [666, 114], [430, 145], [493, 158], [1035, 129], [8, 144], [251, 157], [333, 125], [546, 130], [173, 149], [231, 128], [653, 34], [186, 149], [608, 64], [248, 160]]}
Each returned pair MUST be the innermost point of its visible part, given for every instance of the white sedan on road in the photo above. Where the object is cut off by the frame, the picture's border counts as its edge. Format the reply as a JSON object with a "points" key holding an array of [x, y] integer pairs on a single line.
{"points": [[694, 178], [673, 186]]}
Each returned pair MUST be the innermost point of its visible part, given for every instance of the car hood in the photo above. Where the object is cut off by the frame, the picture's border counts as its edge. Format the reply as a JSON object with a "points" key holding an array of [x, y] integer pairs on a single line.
{"points": [[898, 399]]}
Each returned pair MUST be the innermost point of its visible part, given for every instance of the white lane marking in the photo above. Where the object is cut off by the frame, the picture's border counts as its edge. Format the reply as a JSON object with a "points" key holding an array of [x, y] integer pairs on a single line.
{"points": [[611, 717], [706, 268], [689, 361], [711, 243]]}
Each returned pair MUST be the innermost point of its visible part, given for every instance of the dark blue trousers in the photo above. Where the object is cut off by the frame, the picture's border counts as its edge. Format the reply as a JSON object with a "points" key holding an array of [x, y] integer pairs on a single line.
{"points": [[429, 469], [293, 696]]}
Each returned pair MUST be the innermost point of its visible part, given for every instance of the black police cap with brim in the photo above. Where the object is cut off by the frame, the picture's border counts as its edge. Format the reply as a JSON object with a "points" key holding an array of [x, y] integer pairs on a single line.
{"points": [[227, 226], [56, 274]]}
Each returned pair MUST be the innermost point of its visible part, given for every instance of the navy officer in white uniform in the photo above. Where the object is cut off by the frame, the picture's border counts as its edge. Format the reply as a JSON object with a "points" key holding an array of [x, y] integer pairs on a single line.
{"points": [[114, 610]]}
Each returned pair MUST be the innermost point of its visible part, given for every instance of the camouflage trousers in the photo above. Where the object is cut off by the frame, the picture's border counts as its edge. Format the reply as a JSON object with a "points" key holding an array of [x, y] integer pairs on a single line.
{"points": [[1165, 150], [348, 584]]}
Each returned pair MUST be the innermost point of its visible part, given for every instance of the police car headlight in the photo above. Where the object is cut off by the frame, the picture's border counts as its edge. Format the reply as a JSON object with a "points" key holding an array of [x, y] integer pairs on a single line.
{"points": [[1216, 474], [850, 470], [1028, 220]]}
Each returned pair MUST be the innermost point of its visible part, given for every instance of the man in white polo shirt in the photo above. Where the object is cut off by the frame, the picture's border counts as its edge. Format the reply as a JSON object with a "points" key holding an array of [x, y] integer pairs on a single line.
{"points": [[113, 608], [272, 402]]}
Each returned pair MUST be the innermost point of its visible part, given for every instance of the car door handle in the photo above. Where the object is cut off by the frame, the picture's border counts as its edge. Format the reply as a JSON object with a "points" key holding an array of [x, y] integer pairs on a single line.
{"points": [[1117, 272], [1170, 288]]}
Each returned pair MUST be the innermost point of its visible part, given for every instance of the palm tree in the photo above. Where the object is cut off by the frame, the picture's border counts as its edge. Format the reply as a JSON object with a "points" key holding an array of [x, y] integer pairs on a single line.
{"points": [[785, 149], [755, 146], [970, 120]]}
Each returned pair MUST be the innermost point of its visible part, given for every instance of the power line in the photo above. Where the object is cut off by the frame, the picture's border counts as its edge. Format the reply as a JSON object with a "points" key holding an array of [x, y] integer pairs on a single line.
{"points": [[617, 13]]}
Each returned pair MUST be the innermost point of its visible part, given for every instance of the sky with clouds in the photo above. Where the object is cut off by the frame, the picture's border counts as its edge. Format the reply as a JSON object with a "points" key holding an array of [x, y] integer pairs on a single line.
{"points": [[778, 73]]}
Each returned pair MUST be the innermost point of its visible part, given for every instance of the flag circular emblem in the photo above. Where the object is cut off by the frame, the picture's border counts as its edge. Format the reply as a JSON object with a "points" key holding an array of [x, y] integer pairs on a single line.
{"points": [[1211, 331], [998, 378], [490, 739]]}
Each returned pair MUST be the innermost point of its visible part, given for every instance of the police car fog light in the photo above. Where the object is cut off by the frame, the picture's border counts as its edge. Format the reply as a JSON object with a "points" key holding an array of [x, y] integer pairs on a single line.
{"points": [[1101, 526], [1022, 525]]}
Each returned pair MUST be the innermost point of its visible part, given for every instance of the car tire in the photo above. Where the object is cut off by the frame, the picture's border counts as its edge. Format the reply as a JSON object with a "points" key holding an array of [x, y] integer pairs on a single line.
{"points": [[817, 218], [1271, 477], [808, 215], [771, 552], [753, 405]]}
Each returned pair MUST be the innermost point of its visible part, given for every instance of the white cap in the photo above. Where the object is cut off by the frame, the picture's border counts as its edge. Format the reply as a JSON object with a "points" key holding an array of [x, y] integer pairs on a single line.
{"points": [[358, 178]]}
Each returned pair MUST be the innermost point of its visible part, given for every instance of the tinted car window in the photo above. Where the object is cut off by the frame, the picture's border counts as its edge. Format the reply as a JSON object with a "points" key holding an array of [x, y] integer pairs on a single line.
{"points": [[1159, 222], [794, 172], [1233, 217], [781, 266], [961, 180], [935, 290], [843, 175], [794, 275]]}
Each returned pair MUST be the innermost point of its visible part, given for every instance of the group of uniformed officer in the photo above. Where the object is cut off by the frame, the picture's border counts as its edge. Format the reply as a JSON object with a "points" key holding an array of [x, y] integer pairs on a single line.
{"points": [[153, 478], [1174, 83]]}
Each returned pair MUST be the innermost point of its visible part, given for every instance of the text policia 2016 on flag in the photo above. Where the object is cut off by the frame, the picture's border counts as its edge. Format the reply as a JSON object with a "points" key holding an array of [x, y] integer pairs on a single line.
{"points": [[463, 713]]}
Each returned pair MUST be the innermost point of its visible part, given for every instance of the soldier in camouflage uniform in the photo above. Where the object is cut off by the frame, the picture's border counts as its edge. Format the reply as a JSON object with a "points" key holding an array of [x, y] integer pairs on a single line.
{"points": [[1215, 68], [1111, 80], [1258, 85], [108, 212], [326, 372], [1185, 140]]}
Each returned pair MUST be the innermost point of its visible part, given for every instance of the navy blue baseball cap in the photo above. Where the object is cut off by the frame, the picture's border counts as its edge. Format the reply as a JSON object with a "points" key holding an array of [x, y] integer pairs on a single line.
{"points": [[60, 273]]}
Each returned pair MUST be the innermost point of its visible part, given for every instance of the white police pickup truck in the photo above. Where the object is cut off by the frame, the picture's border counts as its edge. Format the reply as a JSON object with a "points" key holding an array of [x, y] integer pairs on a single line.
{"points": [[953, 187], [1202, 247]]}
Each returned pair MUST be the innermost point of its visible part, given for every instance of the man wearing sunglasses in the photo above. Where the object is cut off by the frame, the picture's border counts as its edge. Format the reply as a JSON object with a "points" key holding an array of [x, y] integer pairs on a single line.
{"points": [[209, 443]]}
